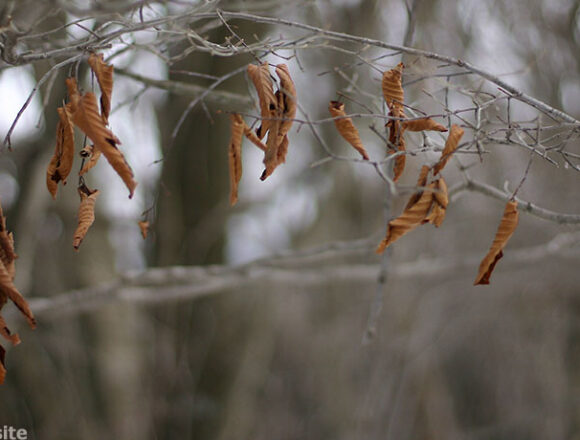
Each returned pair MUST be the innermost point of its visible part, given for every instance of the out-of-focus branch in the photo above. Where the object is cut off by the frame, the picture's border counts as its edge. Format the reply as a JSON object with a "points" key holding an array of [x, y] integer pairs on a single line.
{"points": [[233, 100], [303, 269], [530, 208]]}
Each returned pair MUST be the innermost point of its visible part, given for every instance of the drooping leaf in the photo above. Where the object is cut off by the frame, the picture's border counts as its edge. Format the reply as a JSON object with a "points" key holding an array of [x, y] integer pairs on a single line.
{"points": [[86, 214], [412, 217], [86, 117], [423, 124], [506, 228], [393, 88], [421, 183], [235, 155], [397, 141], [346, 128], [73, 93], [104, 74], [91, 156], [287, 101], [272, 147], [450, 146], [251, 135], [282, 150], [62, 160], [260, 76], [144, 227], [440, 202]]}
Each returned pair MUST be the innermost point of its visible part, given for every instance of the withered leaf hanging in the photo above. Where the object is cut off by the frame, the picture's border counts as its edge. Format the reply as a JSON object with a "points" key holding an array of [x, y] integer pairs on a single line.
{"points": [[392, 87], [260, 76], [440, 202], [450, 146], [346, 128], [62, 160], [506, 228], [86, 214], [86, 117], [287, 104], [104, 74], [423, 124], [235, 155]]}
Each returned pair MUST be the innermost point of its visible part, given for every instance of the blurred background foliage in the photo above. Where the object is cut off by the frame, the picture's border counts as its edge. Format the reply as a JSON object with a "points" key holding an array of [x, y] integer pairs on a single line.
{"points": [[277, 360]]}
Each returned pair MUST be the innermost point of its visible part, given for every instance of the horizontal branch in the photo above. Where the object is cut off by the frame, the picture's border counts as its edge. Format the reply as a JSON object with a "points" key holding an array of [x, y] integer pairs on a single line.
{"points": [[297, 270], [530, 208], [232, 100]]}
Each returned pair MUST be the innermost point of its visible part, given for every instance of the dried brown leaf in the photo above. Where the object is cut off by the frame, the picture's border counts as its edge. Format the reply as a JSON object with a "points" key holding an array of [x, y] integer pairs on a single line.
{"points": [[346, 127], [86, 117], [450, 146], [260, 76], [411, 217], [392, 87], [421, 183], [91, 156], [287, 101], [507, 226], [104, 74], [440, 202], [86, 214], [73, 93], [144, 227], [423, 124], [235, 155], [272, 147], [62, 160]]}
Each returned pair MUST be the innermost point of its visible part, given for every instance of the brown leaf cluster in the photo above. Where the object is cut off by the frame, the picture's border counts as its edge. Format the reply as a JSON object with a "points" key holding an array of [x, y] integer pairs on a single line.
{"points": [[8, 291], [507, 226], [346, 128], [277, 111], [427, 205], [395, 98], [83, 111]]}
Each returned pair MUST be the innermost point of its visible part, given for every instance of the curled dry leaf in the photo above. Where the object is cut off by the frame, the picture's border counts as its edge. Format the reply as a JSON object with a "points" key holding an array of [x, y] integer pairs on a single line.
{"points": [[421, 183], [423, 124], [411, 217], [144, 227], [506, 228], [91, 156], [86, 214], [287, 101], [87, 118], [235, 155], [393, 88], [450, 146], [346, 128], [397, 141], [260, 76], [440, 202], [62, 160], [271, 154], [104, 74], [73, 93]]}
